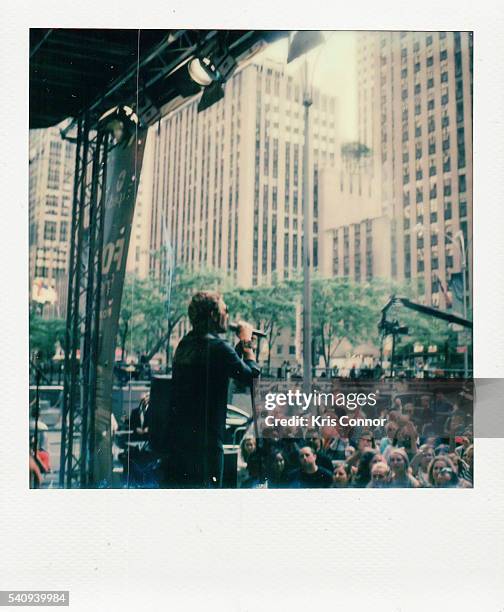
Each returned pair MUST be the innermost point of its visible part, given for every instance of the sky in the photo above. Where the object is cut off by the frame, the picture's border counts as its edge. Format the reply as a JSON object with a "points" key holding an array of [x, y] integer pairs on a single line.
{"points": [[333, 69]]}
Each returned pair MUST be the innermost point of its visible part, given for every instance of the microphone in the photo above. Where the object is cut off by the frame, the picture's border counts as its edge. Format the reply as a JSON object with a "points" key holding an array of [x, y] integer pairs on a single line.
{"points": [[255, 332]]}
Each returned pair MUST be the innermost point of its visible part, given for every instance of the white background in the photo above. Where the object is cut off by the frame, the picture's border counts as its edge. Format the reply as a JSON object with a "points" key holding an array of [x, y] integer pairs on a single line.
{"points": [[253, 550]]}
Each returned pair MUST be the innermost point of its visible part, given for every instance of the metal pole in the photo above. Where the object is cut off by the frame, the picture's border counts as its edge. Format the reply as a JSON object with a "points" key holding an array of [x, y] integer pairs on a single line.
{"points": [[307, 241], [464, 288]]}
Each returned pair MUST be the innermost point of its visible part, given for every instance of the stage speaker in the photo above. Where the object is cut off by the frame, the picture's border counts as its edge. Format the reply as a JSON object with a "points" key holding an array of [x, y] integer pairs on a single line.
{"points": [[160, 410]]}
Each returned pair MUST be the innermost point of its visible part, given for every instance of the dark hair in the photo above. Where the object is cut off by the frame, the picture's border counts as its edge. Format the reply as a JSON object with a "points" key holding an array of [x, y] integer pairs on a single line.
{"points": [[202, 310], [363, 475]]}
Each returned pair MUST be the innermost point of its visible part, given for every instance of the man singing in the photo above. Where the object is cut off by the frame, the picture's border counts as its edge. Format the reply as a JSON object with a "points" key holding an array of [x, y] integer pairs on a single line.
{"points": [[202, 366]]}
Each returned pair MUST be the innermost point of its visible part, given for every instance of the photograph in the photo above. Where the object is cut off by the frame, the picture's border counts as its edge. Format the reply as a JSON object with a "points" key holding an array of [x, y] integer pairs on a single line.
{"points": [[250, 259]]}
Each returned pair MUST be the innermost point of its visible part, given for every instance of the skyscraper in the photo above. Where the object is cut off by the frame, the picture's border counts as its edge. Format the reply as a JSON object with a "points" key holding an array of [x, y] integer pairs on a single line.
{"points": [[415, 113], [227, 182], [51, 174]]}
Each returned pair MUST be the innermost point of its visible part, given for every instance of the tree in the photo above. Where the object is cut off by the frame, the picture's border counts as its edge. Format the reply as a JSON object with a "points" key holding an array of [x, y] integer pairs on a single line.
{"points": [[150, 313], [342, 308], [45, 333], [271, 308]]}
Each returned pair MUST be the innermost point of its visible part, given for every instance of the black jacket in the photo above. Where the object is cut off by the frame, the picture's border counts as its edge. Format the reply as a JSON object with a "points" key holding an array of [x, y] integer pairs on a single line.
{"points": [[202, 367]]}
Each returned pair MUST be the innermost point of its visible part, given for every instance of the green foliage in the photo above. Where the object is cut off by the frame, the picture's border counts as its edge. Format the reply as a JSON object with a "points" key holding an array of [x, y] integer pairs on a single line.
{"points": [[345, 309], [45, 333], [271, 308], [150, 312]]}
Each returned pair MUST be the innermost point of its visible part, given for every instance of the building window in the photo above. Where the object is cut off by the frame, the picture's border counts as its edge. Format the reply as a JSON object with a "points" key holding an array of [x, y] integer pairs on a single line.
{"points": [[417, 66], [430, 83], [428, 40], [443, 55], [432, 170], [64, 231], [460, 111], [447, 188], [418, 88], [50, 230], [462, 183], [418, 131], [419, 174], [430, 61], [447, 210], [430, 104], [418, 109], [463, 208], [444, 99], [444, 77], [419, 194]]}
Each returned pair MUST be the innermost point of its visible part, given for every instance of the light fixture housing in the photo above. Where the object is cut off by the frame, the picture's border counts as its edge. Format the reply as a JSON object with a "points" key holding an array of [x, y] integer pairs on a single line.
{"points": [[199, 70], [212, 94], [302, 42]]}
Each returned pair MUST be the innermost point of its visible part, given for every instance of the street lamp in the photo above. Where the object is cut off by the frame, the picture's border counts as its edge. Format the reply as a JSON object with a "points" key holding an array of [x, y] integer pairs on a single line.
{"points": [[301, 43], [458, 239]]}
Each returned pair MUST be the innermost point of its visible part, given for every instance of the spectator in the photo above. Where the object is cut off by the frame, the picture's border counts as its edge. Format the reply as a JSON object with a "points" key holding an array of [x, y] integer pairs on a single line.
{"points": [[341, 476], [339, 444], [443, 474], [399, 466], [247, 447], [309, 475], [35, 474], [390, 432], [140, 420], [380, 476], [421, 462], [363, 473], [366, 441], [406, 437], [255, 471], [277, 471], [314, 440]]}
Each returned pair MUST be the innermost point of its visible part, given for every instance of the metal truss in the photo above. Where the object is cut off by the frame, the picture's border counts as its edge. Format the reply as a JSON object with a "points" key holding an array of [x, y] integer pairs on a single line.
{"points": [[82, 320]]}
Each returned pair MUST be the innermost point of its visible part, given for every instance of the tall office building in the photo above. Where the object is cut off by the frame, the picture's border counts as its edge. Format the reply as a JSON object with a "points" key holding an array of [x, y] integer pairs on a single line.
{"points": [[227, 182], [355, 233], [415, 113], [51, 173]]}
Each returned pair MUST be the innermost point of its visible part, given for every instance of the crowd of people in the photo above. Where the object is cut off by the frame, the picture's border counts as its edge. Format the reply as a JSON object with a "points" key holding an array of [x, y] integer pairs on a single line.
{"points": [[434, 450]]}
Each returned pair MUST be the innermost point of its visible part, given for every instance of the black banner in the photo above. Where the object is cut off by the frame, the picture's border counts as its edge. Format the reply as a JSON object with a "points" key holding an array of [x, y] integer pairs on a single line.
{"points": [[124, 164]]}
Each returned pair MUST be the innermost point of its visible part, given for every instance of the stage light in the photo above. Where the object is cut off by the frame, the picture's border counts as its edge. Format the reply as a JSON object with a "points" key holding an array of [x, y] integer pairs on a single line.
{"points": [[198, 71], [121, 122], [302, 42], [211, 95]]}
